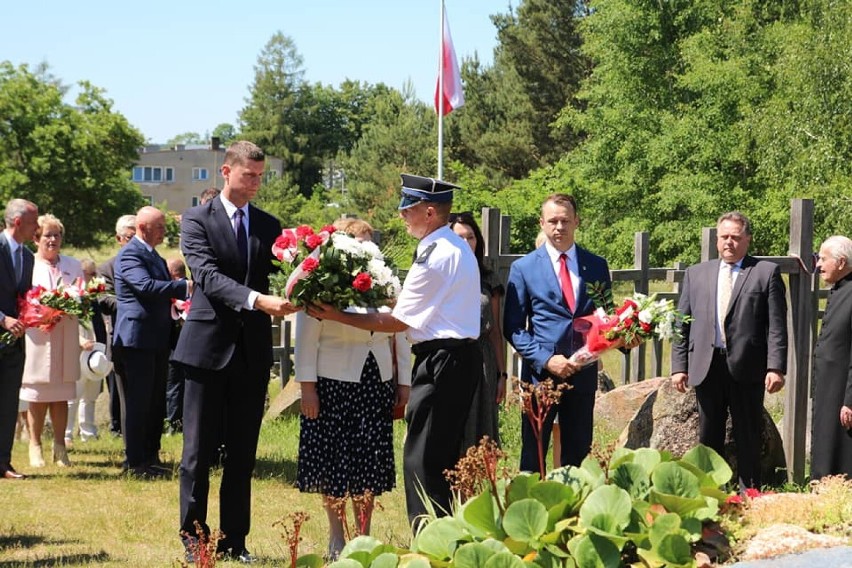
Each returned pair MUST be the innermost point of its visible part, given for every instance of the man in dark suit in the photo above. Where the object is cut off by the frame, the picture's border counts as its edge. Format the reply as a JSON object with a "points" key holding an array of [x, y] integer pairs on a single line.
{"points": [[144, 290], [736, 345], [226, 345], [545, 292], [16, 273], [125, 229]]}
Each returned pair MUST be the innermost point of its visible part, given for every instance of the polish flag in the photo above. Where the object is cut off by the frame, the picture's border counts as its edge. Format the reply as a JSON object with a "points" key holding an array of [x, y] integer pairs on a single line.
{"points": [[453, 94]]}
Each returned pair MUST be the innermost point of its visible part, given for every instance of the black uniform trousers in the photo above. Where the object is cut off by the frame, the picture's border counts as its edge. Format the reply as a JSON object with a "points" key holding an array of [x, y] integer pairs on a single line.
{"points": [[444, 378], [11, 373]]}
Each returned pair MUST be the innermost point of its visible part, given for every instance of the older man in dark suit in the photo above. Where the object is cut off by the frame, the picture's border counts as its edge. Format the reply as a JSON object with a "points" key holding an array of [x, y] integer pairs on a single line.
{"points": [[16, 273], [736, 346], [144, 290], [125, 230], [226, 346]]}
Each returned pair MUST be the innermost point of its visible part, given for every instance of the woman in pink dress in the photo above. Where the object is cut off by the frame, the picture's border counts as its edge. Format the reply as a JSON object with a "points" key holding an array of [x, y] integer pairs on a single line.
{"points": [[52, 364]]}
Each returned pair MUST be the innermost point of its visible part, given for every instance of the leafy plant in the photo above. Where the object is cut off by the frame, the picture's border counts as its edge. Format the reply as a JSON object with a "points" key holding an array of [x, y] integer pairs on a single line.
{"points": [[641, 508]]}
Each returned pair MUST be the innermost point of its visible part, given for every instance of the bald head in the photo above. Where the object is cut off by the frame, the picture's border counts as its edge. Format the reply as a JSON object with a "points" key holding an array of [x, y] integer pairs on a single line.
{"points": [[151, 225]]}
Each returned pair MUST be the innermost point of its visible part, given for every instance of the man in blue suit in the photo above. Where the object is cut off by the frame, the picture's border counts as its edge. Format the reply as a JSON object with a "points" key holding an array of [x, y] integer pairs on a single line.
{"points": [[144, 291], [546, 290]]}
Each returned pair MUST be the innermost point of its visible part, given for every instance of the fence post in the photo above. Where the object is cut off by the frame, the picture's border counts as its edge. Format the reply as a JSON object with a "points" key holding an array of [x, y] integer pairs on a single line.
{"points": [[801, 331], [640, 284]]}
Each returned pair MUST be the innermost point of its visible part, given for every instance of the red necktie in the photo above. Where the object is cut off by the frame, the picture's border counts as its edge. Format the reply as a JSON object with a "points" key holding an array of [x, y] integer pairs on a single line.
{"points": [[565, 281]]}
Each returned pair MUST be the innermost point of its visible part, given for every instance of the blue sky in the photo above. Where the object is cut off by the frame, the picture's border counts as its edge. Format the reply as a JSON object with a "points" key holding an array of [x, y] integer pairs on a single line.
{"points": [[185, 65]]}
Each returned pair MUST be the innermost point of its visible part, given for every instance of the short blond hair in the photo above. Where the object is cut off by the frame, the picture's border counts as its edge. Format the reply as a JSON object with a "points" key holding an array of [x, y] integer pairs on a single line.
{"points": [[49, 220]]}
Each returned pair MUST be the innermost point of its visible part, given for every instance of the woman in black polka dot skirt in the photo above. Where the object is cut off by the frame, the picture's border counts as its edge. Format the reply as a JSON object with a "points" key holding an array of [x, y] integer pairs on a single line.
{"points": [[346, 439]]}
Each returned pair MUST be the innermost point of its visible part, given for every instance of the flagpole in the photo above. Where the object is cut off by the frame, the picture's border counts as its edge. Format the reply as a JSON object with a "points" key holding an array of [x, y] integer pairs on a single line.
{"points": [[441, 98]]}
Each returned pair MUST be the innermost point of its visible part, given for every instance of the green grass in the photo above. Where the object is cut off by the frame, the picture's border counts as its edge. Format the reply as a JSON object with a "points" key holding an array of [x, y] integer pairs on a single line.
{"points": [[91, 515]]}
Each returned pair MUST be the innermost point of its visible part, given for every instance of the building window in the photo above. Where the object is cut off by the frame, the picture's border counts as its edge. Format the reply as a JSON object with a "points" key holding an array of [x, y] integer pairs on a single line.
{"points": [[153, 174], [199, 174], [194, 202]]}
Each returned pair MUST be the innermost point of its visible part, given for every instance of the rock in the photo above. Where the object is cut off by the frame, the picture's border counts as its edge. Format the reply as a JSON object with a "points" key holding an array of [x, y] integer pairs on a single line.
{"points": [[605, 383], [616, 407], [286, 402], [784, 539], [668, 420]]}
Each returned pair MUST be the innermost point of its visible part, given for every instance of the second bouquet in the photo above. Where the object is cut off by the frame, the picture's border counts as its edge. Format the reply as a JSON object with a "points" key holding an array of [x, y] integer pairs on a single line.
{"points": [[333, 268]]}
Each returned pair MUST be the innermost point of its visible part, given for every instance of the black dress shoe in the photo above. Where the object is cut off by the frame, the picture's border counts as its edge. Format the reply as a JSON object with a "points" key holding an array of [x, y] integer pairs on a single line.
{"points": [[8, 472], [145, 472], [243, 556]]}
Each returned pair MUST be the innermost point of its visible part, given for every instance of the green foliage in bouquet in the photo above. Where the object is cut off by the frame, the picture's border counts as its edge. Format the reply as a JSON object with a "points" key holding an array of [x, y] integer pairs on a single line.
{"points": [[643, 508]]}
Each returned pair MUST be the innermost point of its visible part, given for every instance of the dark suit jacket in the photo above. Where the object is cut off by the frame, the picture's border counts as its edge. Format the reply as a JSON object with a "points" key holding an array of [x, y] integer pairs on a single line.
{"points": [[536, 320], [107, 302], [217, 320], [144, 291], [755, 325], [9, 289]]}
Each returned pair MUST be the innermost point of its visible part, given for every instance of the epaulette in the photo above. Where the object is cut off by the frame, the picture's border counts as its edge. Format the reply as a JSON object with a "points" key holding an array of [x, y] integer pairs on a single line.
{"points": [[424, 256]]}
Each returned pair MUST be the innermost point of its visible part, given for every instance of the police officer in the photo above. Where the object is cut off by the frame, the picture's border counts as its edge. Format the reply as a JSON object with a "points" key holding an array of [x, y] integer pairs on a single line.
{"points": [[438, 308]]}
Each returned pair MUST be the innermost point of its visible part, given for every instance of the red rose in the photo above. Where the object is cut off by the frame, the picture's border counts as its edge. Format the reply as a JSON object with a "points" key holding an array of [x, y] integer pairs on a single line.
{"points": [[646, 327], [328, 229], [310, 264], [286, 240], [313, 241], [362, 282], [303, 231]]}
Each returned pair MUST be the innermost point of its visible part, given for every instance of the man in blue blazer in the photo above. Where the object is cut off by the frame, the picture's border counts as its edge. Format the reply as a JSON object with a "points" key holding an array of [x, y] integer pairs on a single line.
{"points": [[226, 346], [16, 273], [144, 291], [546, 290]]}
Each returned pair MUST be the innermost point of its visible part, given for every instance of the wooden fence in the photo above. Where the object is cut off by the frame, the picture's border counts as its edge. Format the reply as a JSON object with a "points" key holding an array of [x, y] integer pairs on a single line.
{"points": [[803, 295]]}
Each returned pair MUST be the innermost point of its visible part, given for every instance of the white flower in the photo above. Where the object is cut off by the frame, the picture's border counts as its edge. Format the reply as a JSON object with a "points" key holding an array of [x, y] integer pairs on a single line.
{"points": [[645, 316], [346, 244], [371, 249]]}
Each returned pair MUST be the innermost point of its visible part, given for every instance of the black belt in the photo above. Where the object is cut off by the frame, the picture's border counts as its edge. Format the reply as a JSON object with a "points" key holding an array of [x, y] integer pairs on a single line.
{"points": [[720, 351], [425, 347]]}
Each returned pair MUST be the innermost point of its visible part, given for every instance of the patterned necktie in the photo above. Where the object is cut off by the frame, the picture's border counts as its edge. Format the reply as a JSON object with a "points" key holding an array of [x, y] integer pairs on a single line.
{"points": [[565, 281], [242, 240], [726, 285]]}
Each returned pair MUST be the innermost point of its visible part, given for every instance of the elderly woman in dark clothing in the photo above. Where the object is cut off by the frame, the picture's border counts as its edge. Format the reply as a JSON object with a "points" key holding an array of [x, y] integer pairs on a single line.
{"points": [[482, 420], [831, 442]]}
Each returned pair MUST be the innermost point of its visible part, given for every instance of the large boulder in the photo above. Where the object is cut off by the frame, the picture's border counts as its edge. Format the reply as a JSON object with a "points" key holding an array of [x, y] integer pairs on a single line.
{"points": [[616, 407], [286, 402], [668, 420]]}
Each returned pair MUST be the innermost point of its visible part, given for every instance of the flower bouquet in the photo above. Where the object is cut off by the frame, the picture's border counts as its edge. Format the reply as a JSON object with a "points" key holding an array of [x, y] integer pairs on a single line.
{"points": [[43, 309], [332, 268], [640, 317]]}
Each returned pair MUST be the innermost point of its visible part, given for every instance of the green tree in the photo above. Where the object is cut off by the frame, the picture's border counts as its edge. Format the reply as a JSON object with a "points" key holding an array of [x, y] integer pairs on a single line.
{"points": [[72, 160], [226, 133], [186, 138]]}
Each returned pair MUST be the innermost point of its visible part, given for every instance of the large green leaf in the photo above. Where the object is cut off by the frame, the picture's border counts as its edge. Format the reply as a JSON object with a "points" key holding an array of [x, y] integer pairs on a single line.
{"points": [[549, 493], [663, 525], [312, 561], [710, 462], [633, 478], [440, 538], [593, 551], [607, 508], [674, 549], [525, 520], [647, 458], [385, 560], [504, 560], [683, 506], [346, 563], [472, 555], [413, 560], [521, 485], [364, 543], [619, 456], [480, 514], [671, 478]]}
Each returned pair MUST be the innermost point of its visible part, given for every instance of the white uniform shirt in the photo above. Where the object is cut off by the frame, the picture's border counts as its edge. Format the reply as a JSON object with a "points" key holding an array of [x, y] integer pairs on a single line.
{"points": [[440, 296]]}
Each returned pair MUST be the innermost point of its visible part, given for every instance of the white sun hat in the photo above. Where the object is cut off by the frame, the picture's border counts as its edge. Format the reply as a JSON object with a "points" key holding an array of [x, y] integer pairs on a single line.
{"points": [[94, 365]]}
